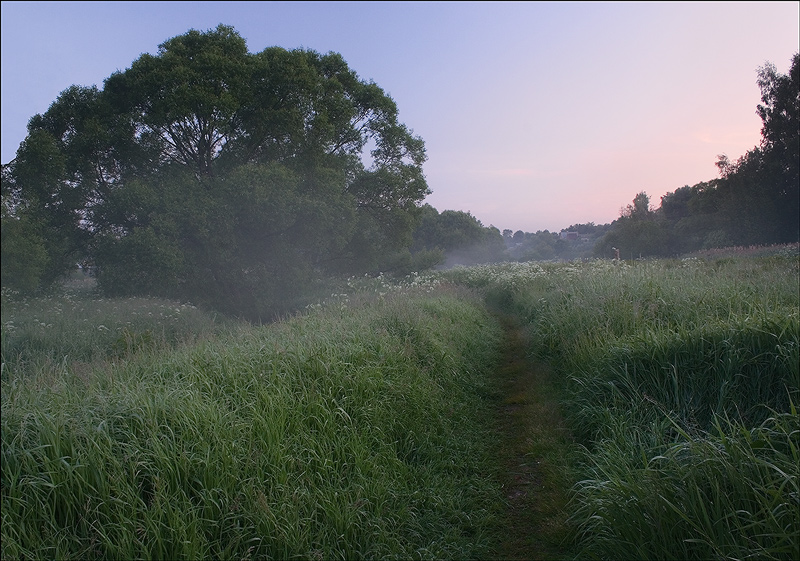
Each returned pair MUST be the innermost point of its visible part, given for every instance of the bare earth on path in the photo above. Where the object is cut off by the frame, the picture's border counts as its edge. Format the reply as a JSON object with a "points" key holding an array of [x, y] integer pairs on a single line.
{"points": [[533, 445]]}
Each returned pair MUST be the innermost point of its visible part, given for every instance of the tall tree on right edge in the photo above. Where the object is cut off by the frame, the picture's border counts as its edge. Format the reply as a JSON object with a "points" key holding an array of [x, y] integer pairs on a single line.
{"points": [[759, 193], [780, 142]]}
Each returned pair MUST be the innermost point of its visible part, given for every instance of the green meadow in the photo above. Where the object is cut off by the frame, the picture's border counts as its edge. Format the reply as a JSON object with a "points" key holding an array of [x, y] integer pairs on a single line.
{"points": [[367, 426], [680, 381]]}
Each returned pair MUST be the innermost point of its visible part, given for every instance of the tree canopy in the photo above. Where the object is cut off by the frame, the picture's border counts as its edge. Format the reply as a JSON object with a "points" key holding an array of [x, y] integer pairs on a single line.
{"points": [[459, 237], [226, 177]]}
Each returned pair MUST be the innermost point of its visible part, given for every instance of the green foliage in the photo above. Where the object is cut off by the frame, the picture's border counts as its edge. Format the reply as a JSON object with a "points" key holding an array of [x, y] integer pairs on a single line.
{"points": [[679, 380], [140, 262], [24, 255], [459, 236], [356, 432], [541, 246], [37, 193], [246, 242], [780, 115], [206, 172], [185, 99], [448, 230], [636, 233]]}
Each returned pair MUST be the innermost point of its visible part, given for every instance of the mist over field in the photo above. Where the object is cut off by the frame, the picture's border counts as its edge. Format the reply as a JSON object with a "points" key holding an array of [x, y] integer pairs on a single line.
{"points": [[235, 327], [503, 410], [247, 182]]}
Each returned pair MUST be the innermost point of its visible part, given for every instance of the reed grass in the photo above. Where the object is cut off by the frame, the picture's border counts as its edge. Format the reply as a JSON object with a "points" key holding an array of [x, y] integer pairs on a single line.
{"points": [[679, 380], [730, 493], [344, 433]]}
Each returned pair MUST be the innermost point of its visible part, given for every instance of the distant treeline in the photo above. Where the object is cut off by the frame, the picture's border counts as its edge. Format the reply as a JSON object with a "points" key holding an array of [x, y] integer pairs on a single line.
{"points": [[756, 199]]}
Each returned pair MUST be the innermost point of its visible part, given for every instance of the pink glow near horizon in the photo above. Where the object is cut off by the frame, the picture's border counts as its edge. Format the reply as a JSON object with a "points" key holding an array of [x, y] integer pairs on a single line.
{"points": [[535, 115]]}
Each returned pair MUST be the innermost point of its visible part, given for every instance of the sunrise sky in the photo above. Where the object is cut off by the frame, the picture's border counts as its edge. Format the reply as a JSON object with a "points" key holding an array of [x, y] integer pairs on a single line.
{"points": [[535, 115]]}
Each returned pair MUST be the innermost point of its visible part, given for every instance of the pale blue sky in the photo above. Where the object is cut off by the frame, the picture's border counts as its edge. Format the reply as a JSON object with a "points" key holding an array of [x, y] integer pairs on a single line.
{"points": [[535, 115]]}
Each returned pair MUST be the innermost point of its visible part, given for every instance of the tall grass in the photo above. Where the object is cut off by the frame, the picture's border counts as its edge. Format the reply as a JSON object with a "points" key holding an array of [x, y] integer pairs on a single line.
{"points": [[680, 381], [352, 431], [730, 493], [75, 327]]}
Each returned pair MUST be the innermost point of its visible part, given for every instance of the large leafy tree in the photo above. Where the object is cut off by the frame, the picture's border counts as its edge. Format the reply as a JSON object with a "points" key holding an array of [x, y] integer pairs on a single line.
{"points": [[208, 172], [780, 111], [758, 195], [25, 256], [780, 144], [38, 193]]}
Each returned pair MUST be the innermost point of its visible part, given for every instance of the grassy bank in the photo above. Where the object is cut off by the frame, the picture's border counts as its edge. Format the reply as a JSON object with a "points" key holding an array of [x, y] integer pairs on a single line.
{"points": [[372, 425], [680, 381], [75, 328], [352, 431]]}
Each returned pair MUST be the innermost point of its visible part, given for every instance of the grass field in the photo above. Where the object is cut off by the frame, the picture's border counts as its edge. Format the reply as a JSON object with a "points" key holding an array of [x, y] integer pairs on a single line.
{"points": [[680, 381], [357, 430], [379, 423]]}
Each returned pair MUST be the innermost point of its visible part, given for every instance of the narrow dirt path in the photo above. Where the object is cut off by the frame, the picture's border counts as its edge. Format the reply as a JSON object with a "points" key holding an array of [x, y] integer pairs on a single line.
{"points": [[532, 451]]}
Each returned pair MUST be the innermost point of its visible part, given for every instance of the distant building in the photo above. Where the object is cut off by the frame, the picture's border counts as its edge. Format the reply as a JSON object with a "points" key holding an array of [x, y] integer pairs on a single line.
{"points": [[568, 235]]}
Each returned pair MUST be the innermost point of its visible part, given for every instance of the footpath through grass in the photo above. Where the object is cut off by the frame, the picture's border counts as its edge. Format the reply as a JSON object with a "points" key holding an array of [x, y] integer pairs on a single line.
{"points": [[679, 381], [533, 454], [607, 410]]}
